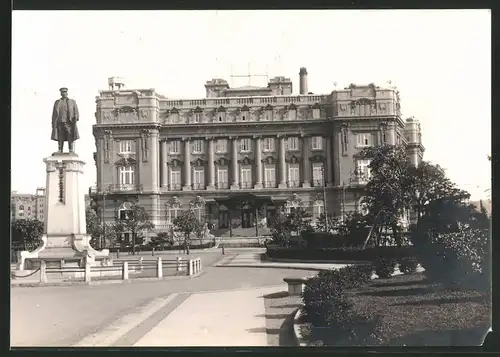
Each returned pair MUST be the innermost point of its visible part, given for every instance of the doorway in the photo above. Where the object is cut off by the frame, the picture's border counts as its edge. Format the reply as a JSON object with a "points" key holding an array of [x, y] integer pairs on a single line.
{"points": [[223, 217], [270, 215], [247, 217]]}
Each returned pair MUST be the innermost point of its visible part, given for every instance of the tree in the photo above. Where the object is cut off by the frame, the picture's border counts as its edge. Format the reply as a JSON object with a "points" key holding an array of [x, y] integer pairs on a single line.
{"points": [[429, 184], [94, 227], [161, 239], [298, 221], [135, 221], [387, 191], [26, 230], [186, 224]]}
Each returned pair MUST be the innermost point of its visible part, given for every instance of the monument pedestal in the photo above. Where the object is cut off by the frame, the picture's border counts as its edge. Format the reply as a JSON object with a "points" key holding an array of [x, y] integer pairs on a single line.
{"points": [[65, 236]]}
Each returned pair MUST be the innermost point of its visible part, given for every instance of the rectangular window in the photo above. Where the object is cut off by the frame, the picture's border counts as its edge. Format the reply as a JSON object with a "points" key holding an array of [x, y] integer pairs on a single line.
{"points": [[318, 209], [363, 140], [175, 180], [175, 147], [197, 146], [292, 144], [293, 175], [317, 174], [270, 177], [246, 177], [292, 114], [268, 144], [221, 146], [126, 146], [245, 145], [126, 177], [244, 116], [363, 170], [317, 143], [199, 179], [197, 118], [316, 113], [268, 115], [222, 178]]}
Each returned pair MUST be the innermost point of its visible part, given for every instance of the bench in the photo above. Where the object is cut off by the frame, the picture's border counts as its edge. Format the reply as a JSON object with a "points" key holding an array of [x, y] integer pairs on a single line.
{"points": [[295, 285]]}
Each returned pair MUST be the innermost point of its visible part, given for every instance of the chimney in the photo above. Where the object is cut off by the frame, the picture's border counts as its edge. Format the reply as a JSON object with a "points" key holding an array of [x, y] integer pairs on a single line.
{"points": [[303, 80]]}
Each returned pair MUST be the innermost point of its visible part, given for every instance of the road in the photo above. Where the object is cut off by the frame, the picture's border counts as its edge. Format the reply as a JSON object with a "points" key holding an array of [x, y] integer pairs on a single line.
{"points": [[63, 316]]}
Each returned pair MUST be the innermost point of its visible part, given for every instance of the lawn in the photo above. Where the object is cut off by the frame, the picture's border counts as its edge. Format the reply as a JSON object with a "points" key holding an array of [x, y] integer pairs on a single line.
{"points": [[412, 311]]}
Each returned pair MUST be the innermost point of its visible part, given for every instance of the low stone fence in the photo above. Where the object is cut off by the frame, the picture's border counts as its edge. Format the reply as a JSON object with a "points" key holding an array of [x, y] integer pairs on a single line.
{"points": [[120, 269]]}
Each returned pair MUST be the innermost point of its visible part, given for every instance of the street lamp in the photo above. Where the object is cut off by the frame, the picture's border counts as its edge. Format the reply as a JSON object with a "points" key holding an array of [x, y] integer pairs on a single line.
{"points": [[323, 172]]}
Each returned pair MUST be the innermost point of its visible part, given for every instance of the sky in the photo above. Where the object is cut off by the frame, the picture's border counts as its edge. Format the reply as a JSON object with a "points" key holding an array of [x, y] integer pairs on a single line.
{"points": [[440, 60]]}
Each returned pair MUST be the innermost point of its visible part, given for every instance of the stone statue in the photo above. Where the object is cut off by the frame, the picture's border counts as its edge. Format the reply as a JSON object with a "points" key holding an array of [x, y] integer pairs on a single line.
{"points": [[64, 118]]}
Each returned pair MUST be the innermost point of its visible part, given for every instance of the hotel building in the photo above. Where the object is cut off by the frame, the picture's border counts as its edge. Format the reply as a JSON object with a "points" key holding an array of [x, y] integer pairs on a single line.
{"points": [[240, 154]]}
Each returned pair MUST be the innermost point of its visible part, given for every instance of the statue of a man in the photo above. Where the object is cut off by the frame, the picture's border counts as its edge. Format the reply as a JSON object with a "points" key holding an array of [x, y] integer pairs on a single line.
{"points": [[64, 118]]}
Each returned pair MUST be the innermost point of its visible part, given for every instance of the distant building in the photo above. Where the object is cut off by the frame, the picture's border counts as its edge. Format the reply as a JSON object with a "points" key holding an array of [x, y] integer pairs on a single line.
{"points": [[249, 144], [28, 206]]}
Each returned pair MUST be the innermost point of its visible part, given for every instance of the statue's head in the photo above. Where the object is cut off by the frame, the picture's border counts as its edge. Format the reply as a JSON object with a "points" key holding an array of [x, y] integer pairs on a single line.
{"points": [[64, 92]]}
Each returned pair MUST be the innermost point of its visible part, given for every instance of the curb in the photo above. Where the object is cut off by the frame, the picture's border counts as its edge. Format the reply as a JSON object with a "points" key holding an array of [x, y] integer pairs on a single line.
{"points": [[269, 267], [104, 282], [299, 339]]}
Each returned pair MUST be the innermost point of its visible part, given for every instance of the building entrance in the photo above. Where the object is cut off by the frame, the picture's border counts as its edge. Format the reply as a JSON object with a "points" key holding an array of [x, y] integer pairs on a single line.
{"points": [[223, 217], [247, 217], [270, 215]]}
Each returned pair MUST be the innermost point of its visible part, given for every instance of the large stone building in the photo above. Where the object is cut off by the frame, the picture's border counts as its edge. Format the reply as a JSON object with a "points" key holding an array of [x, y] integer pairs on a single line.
{"points": [[239, 154], [28, 206]]}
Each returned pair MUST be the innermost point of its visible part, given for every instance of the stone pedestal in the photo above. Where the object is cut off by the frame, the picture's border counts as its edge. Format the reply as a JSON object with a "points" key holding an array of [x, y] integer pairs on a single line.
{"points": [[65, 235]]}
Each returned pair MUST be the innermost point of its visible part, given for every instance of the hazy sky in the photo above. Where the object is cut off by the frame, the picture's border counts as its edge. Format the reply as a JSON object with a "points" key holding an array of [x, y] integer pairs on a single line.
{"points": [[439, 60]]}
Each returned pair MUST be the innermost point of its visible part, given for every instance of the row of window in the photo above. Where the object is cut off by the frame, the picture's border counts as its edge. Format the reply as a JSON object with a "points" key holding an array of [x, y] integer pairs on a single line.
{"points": [[221, 145], [243, 116], [127, 176]]}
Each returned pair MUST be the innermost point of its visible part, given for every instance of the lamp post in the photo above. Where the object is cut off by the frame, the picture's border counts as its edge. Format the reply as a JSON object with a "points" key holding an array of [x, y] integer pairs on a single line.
{"points": [[323, 172]]}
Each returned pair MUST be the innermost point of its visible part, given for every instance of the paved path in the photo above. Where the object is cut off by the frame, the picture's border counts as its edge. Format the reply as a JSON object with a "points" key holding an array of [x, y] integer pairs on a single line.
{"points": [[220, 307]]}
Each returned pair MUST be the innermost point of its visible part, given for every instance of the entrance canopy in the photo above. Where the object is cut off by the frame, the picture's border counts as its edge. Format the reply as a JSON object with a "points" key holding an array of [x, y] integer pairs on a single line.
{"points": [[240, 199]]}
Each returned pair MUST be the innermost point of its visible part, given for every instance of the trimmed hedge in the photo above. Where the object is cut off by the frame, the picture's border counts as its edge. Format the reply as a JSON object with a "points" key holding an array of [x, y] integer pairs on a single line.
{"points": [[346, 253], [328, 307]]}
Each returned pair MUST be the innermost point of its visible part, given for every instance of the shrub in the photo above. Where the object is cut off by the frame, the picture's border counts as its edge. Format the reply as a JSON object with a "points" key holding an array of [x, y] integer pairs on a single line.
{"points": [[315, 240], [461, 257], [342, 253], [384, 267], [327, 305]]}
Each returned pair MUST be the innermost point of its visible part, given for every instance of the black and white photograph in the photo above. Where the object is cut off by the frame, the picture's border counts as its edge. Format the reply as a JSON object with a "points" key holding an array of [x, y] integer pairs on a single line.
{"points": [[250, 178]]}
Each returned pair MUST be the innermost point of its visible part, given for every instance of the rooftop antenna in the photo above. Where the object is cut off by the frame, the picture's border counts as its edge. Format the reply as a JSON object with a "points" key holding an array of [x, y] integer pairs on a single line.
{"points": [[249, 75]]}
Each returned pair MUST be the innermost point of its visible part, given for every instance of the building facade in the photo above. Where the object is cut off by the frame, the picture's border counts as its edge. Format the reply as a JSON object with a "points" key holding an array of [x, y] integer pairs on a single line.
{"points": [[240, 154], [28, 206]]}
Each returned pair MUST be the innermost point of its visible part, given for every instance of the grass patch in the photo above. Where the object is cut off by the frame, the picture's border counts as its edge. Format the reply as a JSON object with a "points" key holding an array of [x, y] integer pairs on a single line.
{"points": [[411, 311]]}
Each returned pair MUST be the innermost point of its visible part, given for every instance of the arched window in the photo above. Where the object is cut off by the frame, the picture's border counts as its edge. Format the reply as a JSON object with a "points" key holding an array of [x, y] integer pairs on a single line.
{"points": [[198, 209], [318, 209], [125, 211], [21, 211], [173, 211]]}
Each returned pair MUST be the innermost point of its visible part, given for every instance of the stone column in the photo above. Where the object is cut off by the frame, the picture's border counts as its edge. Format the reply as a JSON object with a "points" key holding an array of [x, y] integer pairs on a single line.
{"points": [[306, 165], [234, 163], [164, 166], [391, 135], [258, 162], [329, 167], [211, 165], [155, 164], [282, 162], [187, 165]]}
